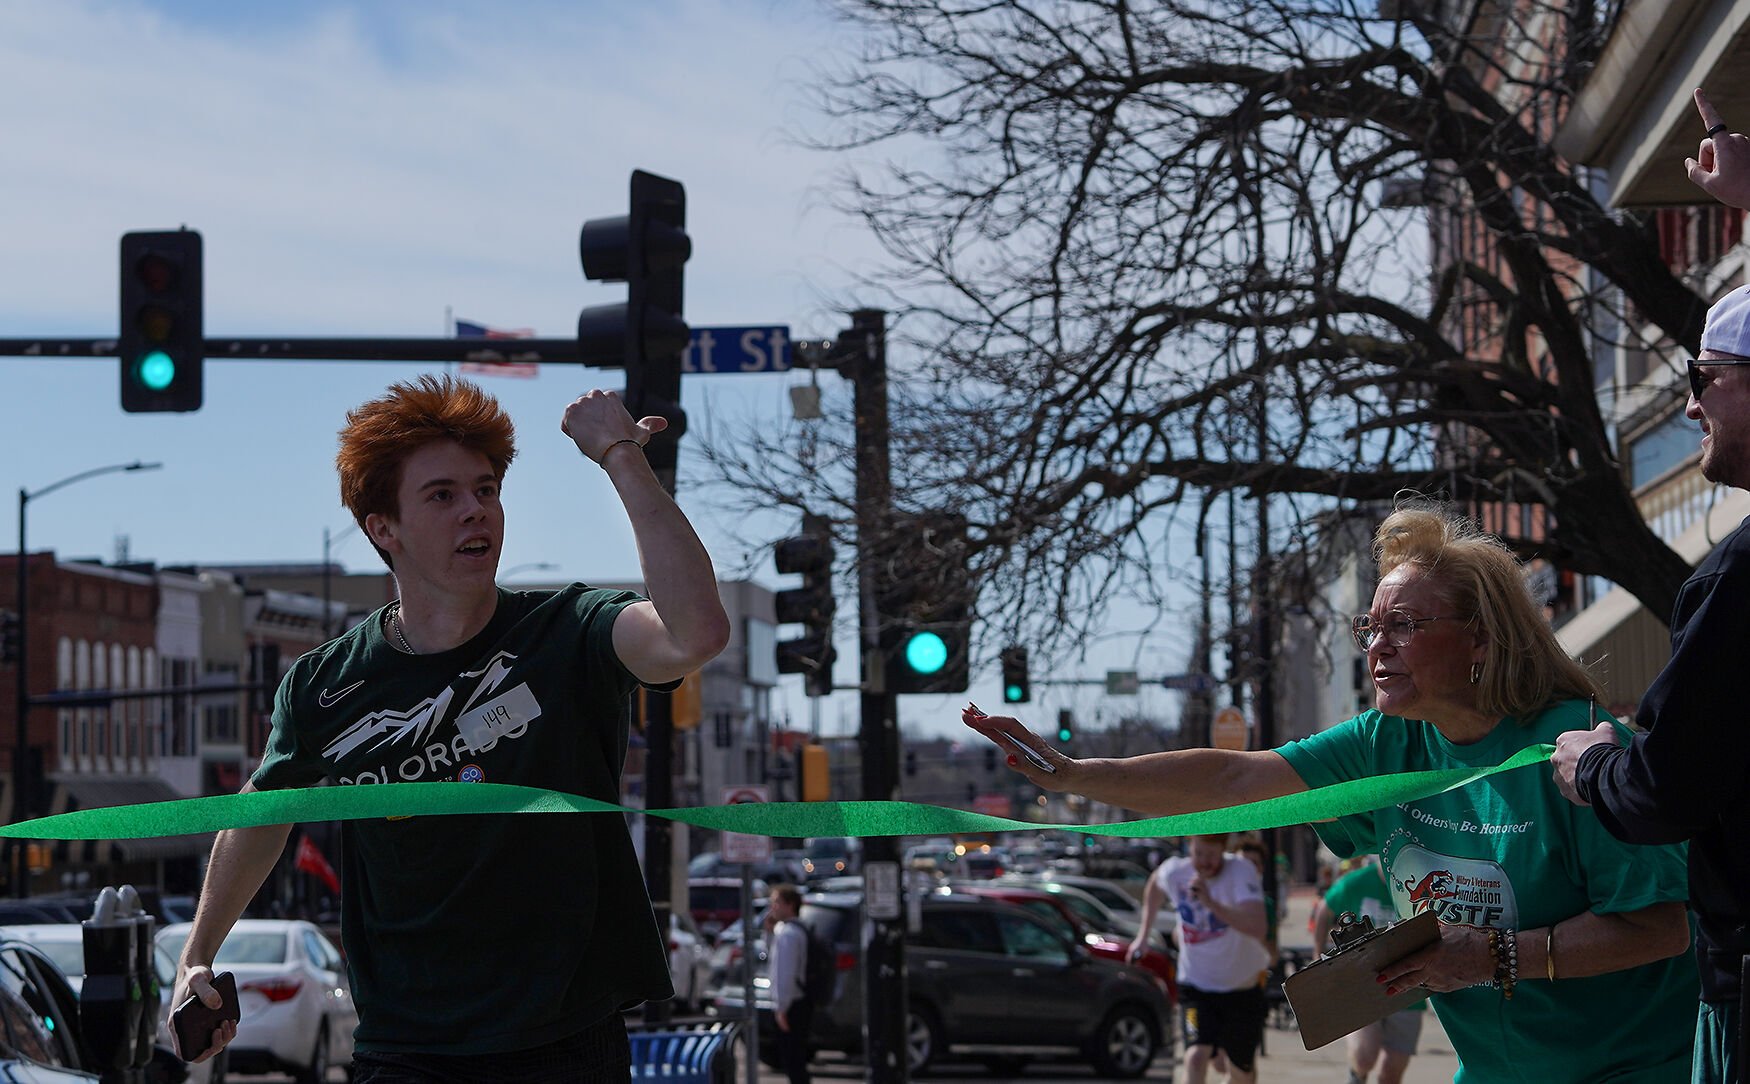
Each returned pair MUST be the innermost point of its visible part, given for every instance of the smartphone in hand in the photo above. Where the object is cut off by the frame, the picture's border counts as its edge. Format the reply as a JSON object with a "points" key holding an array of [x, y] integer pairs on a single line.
{"points": [[192, 1024], [1033, 756]]}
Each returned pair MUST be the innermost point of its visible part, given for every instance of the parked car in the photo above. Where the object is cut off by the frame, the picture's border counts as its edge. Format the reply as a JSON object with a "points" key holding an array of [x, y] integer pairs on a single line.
{"points": [[64, 945], [989, 981], [689, 960], [39, 1019], [784, 867], [1079, 917], [298, 1013], [1116, 899], [715, 902], [831, 856], [40, 1041]]}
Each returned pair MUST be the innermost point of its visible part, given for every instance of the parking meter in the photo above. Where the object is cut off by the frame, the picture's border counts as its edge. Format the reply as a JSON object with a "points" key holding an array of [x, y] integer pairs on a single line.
{"points": [[145, 933], [112, 998]]}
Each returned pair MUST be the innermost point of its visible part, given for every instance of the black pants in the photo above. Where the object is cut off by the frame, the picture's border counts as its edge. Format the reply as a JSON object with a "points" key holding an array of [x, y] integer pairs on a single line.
{"points": [[599, 1054], [793, 1044]]}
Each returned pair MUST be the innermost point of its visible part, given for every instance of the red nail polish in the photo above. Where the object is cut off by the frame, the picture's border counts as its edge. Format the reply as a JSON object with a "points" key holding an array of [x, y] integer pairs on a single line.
{"points": [[1013, 760]]}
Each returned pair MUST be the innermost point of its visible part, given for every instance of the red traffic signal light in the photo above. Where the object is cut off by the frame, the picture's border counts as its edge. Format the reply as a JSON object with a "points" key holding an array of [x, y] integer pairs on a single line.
{"points": [[160, 338]]}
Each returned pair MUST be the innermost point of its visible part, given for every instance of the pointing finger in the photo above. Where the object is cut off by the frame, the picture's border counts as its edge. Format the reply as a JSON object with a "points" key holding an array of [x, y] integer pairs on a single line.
{"points": [[1709, 115]]}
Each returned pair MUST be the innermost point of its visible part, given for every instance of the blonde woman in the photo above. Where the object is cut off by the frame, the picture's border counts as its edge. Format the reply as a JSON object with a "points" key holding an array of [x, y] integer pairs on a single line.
{"points": [[1562, 951]]}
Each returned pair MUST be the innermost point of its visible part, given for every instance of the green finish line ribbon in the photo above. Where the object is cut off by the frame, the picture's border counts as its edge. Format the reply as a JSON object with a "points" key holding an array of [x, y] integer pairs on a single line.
{"points": [[801, 819]]}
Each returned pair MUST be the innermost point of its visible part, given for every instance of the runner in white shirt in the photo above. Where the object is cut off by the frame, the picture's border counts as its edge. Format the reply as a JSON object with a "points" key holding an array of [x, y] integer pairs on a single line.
{"points": [[1219, 898]]}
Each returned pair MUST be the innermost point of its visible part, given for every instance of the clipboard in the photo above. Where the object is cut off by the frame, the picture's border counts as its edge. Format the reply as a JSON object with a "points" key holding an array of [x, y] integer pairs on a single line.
{"points": [[1338, 993]]}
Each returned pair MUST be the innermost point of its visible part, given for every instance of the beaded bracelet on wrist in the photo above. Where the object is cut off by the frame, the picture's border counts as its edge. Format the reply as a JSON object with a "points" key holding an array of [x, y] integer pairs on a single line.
{"points": [[1504, 950]]}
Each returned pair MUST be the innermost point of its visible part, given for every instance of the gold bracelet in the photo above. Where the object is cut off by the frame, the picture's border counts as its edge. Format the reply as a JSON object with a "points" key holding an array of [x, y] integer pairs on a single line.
{"points": [[1549, 953]]}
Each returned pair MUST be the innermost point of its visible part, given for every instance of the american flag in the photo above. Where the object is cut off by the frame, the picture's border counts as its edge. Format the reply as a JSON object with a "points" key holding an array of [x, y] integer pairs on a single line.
{"points": [[468, 329]]}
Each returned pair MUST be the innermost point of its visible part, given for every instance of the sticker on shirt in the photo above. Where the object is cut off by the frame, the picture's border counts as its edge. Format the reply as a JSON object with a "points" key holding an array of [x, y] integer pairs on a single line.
{"points": [[1460, 891], [506, 716], [471, 773]]}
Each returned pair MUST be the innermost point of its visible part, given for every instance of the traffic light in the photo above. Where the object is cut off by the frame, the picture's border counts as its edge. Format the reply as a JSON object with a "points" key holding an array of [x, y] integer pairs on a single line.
{"points": [[816, 774], [159, 340], [1017, 686], [647, 249], [1066, 725], [924, 595], [9, 634], [811, 605]]}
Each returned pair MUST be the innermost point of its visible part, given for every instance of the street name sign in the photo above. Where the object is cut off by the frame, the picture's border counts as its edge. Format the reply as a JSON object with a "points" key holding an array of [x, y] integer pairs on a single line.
{"points": [[738, 350], [1123, 683]]}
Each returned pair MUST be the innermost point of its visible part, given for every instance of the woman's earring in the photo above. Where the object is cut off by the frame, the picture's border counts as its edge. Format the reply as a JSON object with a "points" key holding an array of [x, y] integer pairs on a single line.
{"points": [[1476, 672]]}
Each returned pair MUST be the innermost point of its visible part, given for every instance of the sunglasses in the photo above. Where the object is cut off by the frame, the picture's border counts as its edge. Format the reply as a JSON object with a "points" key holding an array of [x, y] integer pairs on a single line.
{"points": [[1698, 383]]}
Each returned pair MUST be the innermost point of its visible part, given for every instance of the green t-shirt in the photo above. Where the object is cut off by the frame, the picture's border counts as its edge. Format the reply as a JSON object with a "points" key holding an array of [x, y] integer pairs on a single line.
{"points": [[1510, 851], [1362, 893], [480, 934]]}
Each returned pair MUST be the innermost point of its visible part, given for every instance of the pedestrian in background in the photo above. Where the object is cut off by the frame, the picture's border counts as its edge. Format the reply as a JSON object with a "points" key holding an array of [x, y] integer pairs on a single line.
{"points": [[1386, 1044], [498, 947], [1549, 928], [1682, 777], [791, 1008], [1219, 898]]}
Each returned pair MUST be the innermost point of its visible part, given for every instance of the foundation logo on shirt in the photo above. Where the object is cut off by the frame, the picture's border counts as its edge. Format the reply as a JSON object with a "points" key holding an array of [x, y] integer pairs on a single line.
{"points": [[430, 740], [1460, 891], [471, 773]]}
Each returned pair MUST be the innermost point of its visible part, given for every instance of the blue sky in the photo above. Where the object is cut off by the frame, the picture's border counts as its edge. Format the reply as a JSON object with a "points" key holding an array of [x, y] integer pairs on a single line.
{"points": [[359, 169]]}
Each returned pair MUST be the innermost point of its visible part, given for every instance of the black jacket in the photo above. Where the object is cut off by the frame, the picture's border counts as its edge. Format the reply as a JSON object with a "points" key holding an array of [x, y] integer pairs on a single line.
{"points": [[1684, 779]]}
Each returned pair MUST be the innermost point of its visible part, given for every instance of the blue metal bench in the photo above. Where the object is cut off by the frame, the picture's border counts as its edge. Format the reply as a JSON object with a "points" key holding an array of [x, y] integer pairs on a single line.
{"points": [[685, 1054]]}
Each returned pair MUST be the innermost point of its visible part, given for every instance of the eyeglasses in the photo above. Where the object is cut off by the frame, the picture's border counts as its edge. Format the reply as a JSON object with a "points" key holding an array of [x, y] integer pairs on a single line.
{"points": [[1697, 383], [1397, 626]]}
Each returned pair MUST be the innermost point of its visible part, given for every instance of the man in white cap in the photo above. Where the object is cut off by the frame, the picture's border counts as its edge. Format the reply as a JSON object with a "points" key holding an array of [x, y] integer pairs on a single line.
{"points": [[1684, 777]]}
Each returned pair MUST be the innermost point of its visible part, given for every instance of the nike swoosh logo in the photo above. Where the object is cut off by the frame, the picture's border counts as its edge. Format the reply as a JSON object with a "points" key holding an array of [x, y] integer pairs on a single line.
{"points": [[327, 699]]}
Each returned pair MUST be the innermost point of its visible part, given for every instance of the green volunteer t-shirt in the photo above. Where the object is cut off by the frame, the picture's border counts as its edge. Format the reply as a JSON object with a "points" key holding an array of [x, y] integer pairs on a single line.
{"points": [[478, 934], [1510, 851], [1362, 892]]}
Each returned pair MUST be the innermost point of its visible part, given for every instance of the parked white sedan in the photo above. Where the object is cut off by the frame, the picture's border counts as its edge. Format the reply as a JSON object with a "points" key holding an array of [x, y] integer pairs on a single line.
{"points": [[298, 1013]]}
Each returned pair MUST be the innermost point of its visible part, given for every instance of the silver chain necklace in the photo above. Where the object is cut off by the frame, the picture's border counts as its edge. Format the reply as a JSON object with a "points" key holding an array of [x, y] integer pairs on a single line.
{"points": [[400, 634]]}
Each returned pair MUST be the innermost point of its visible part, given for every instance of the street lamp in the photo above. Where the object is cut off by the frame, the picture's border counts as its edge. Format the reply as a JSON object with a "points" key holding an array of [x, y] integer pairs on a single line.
{"points": [[22, 784]]}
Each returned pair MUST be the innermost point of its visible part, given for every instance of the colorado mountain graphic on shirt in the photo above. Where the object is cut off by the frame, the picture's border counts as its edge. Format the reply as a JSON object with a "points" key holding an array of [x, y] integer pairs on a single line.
{"points": [[379, 737]]}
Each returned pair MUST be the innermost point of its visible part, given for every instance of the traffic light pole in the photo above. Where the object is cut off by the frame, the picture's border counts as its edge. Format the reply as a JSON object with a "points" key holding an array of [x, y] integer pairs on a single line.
{"points": [[884, 993], [483, 351]]}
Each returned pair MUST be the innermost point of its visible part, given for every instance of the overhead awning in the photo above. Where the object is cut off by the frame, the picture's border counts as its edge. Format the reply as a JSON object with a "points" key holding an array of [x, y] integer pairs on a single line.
{"points": [[1635, 116], [1623, 645], [81, 792]]}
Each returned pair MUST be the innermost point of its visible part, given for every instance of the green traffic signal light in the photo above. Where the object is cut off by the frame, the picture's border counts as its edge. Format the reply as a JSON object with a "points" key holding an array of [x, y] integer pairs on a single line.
{"points": [[157, 370], [1014, 694], [159, 338], [1063, 733], [926, 653]]}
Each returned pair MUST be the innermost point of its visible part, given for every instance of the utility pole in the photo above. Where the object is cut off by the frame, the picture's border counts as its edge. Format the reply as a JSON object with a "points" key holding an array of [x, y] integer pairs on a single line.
{"points": [[884, 994]]}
